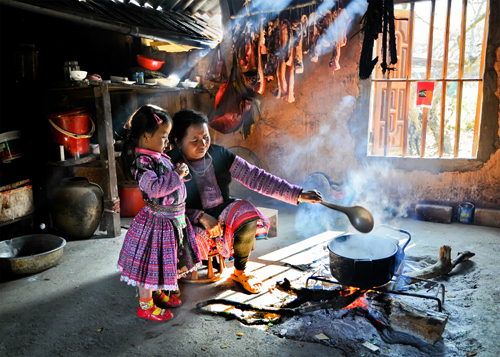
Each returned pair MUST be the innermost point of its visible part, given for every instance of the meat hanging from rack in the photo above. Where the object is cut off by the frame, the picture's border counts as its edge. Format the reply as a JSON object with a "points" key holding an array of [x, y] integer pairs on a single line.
{"points": [[340, 29], [273, 50]]}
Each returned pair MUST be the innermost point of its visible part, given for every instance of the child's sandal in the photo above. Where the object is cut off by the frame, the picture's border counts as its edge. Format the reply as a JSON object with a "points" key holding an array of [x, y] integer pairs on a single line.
{"points": [[165, 301], [164, 315]]}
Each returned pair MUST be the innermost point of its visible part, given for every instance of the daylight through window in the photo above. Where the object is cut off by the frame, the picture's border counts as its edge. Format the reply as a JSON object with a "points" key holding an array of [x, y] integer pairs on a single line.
{"points": [[430, 104]]}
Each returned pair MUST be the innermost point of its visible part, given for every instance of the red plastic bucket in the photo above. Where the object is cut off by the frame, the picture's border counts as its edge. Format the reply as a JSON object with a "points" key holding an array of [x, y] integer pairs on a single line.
{"points": [[73, 130], [131, 200]]}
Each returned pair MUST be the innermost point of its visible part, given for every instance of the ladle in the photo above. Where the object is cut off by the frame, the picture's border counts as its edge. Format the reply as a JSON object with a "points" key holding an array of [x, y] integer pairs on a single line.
{"points": [[360, 217]]}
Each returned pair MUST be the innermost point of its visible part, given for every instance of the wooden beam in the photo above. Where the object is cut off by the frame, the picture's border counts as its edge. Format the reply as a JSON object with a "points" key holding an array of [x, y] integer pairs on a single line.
{"points": [[443, 84], [460, 75]]}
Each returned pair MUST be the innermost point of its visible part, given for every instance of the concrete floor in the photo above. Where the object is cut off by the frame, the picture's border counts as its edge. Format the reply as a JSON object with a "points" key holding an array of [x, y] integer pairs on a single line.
{"points": [[80, 307]]}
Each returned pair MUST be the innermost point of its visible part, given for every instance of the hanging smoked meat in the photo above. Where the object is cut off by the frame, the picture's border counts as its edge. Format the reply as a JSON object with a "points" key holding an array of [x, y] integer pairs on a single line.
{"points": [[324, 41], [297, 44], [272, 41], [305, 34], [286, 67], [340, 28]]}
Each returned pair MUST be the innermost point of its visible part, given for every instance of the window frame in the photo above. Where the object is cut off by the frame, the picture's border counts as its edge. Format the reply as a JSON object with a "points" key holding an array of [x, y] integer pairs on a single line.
{"points": [[489, 140]]}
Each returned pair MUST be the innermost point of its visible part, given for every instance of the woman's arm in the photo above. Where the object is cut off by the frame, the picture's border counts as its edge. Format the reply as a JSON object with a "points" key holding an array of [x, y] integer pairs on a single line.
{"points": [[263, 182]]}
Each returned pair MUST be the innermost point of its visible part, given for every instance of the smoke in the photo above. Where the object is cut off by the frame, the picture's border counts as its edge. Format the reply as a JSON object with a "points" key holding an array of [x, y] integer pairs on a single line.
{"points": [[378, 188]]}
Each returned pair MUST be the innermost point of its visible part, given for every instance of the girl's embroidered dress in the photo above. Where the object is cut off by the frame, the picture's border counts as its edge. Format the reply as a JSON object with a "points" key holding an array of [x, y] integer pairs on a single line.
{"points": [[210, 192], [160, 245]]}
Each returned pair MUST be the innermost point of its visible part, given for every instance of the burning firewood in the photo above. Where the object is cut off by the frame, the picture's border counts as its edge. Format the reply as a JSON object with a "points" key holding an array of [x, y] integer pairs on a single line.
{"points": [[334, 300], [444, 265]]}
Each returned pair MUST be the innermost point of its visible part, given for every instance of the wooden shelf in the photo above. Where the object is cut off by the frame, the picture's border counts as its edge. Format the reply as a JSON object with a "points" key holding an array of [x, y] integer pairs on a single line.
{"points": [[113, 87], [75, 162], [81, 161]]}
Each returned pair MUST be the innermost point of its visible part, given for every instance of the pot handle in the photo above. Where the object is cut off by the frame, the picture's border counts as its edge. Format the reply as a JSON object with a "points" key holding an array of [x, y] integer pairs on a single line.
{"points": [[363, 263], [399, 230]]}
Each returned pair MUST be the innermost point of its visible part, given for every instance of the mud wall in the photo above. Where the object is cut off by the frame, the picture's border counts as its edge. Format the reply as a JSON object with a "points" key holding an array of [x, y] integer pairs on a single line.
{"points": [[325, 127]]}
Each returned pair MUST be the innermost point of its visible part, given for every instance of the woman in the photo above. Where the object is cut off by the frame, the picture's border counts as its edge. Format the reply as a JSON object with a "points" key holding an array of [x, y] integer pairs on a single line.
{"points": [[233, 223]]}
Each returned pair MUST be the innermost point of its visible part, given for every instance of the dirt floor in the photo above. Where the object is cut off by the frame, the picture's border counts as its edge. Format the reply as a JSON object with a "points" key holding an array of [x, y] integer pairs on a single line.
{"points": [[80, 307]]}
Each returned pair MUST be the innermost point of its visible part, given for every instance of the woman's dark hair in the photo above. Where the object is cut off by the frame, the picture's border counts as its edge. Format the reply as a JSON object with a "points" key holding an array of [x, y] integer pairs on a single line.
{"points": [[142, 121], [183, 120]]}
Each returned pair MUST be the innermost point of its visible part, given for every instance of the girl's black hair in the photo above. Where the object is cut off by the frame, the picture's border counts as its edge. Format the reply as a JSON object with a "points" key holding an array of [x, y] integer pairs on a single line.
{"points": [[142, 121], [182, 121]]}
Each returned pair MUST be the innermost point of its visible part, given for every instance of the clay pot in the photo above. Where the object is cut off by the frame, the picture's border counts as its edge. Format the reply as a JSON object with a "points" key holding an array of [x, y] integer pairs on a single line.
{"points": [[76, 208]]}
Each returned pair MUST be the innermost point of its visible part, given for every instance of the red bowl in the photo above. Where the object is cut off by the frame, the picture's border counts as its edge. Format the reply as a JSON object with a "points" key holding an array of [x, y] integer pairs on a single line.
{"points": [[149, 63]]}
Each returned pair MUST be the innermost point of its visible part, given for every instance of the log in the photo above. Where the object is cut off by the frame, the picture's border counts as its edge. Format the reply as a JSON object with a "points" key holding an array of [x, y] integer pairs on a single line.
{"points": [[335, 304], [443, 266], [404, 318]]}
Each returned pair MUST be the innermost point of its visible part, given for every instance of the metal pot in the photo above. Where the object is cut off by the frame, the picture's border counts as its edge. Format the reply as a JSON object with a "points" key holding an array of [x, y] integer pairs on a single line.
{"points": [[365, 260], [31, 254]]}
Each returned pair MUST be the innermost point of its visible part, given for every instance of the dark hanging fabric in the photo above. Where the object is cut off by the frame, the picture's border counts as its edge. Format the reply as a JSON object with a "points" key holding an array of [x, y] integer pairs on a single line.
{"points": [[379, 18]]}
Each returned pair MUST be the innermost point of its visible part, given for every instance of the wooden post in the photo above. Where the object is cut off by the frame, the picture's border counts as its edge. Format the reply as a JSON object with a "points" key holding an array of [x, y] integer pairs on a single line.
{"points": [[444, 84], [427, 76], [111, 218], [409, 61], [480, 85], [460, 76]]}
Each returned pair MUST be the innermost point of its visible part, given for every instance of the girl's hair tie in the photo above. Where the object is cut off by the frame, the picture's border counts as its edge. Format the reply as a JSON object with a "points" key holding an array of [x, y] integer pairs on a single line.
{"points": [[158, 120]]}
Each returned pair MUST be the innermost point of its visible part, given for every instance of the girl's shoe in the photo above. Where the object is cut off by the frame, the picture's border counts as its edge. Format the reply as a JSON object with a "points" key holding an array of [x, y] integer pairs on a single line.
{"points": [[165, 301], [164, 315]]}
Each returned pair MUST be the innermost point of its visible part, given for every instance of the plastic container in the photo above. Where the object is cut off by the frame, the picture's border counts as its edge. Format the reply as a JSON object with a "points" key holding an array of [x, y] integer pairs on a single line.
{"points": [[10, 145], [465, 212], [149, 63], [73, 130], [131, 200]]}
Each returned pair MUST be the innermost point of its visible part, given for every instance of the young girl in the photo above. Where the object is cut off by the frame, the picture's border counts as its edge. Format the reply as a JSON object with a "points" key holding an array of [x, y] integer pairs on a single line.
{"points": [[160, 245]]}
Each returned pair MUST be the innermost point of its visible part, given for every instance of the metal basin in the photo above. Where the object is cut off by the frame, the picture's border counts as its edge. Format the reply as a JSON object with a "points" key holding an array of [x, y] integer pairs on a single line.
{"points": [[31, 254]]}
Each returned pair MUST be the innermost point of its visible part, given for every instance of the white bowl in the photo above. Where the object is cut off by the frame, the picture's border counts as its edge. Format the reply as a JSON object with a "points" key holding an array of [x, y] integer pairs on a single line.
{"points": [[189, 84], [168, 82], [78, 75]]}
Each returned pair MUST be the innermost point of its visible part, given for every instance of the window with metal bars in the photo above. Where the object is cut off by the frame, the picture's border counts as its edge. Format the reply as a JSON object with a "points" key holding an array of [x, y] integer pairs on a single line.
{"points": [[429, 105]]}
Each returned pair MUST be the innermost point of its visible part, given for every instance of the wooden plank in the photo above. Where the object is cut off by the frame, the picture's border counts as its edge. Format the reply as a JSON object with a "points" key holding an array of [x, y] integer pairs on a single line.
{"points": [[479, 106], [111, 218], [409, 61], [443, 84], [460, 75], [428, 76]]}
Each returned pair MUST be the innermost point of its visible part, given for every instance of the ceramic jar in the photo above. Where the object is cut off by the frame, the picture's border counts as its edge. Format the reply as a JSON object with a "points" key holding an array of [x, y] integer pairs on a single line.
{"points": [[76, 208]]}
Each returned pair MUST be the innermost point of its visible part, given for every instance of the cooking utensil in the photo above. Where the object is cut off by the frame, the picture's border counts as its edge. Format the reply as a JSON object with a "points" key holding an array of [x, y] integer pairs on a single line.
{"points": [[149, 63], [31, 254], [360, 217], [365, 260]]}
